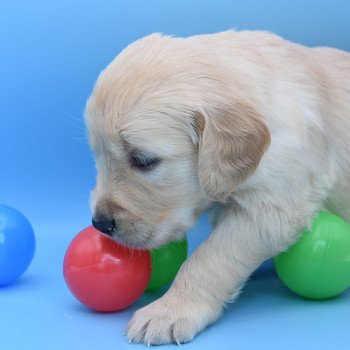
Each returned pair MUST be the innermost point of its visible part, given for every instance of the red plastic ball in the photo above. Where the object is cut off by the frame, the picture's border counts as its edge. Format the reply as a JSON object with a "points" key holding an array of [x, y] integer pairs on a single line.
{"points": [[104, 275]]}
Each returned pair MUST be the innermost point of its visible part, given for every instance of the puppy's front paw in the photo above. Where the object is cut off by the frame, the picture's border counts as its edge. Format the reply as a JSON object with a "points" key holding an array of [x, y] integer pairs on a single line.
{"points": [[167, 321]]}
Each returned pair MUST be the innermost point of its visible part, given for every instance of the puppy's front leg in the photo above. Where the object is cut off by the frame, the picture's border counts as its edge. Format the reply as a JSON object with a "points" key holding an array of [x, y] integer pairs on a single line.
{"points": [[212, 276]]}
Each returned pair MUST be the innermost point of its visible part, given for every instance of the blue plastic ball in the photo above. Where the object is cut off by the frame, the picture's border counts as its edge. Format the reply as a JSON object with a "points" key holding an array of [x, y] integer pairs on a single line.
{"points": [[17, 244]]}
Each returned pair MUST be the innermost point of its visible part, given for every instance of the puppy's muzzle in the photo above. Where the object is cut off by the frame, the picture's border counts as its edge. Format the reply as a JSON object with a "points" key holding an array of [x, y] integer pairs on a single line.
{"points": [[105, 225]]}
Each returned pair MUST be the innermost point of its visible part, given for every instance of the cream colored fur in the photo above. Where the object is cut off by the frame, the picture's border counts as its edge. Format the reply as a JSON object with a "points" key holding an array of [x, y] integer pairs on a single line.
{"points": [[244, 119]]}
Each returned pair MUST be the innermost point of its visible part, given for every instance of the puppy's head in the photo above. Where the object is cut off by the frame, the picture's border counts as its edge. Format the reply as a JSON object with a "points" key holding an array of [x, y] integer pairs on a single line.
{"points": [[169, 138]]}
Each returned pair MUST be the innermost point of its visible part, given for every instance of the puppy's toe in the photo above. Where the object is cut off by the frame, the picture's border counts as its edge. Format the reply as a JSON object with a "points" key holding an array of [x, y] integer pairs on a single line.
{"points": [[183, 331]]}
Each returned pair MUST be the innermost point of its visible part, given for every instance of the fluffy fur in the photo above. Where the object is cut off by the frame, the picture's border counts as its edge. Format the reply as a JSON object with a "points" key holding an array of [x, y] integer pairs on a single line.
{"points": [[241, 121]]}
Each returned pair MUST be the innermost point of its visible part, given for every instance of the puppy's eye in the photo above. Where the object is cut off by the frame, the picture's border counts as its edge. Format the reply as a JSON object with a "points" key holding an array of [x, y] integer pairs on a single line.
{"points": [[143, 162]]}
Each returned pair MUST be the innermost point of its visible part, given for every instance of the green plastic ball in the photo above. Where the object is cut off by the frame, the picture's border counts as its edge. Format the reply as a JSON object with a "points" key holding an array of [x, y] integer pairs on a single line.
{"points": [[317, 266], [166, 262]]}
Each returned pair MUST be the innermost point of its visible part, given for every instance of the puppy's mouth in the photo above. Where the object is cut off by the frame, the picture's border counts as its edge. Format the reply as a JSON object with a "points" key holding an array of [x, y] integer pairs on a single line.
{"points": [[132, 242], [144, 240], [137, 234]]}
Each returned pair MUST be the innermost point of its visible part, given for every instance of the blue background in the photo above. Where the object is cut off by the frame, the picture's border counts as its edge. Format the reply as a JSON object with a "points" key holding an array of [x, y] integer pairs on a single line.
{"points": [[51, 53]]}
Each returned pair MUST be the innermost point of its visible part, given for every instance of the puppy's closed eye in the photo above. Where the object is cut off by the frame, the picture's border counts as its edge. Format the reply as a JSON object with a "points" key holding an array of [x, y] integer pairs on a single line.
{"points": [[143, 161]]}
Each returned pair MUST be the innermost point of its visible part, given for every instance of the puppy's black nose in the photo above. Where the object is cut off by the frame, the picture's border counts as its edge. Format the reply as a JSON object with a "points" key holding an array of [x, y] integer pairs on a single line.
{"points": [[105, 225]]}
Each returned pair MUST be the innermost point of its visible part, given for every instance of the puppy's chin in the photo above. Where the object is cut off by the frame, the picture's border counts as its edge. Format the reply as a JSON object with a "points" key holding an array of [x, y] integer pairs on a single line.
{"points": [[139, 244], [148, 242]]}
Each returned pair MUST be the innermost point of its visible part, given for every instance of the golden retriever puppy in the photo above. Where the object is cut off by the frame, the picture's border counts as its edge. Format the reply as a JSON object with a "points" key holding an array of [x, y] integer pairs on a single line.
{"points": [[242, 120]]}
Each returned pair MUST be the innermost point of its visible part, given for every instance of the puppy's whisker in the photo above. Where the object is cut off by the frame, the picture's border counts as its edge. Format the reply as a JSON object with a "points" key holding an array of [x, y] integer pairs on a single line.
{"points": [[78, 125]]}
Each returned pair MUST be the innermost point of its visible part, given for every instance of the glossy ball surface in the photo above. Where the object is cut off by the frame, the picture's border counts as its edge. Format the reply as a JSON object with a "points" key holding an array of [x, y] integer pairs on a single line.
{"points": [[166, 262], [104, 275], [17, 244], [318, 265]]}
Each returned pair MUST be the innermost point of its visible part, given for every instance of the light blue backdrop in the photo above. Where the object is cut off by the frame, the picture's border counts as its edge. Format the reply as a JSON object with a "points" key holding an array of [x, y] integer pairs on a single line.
{"points": [[51, 52]]}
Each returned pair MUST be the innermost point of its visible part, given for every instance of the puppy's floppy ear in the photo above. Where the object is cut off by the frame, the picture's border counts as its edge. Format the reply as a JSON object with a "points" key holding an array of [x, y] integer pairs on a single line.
{"points": [[232, 140]]}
